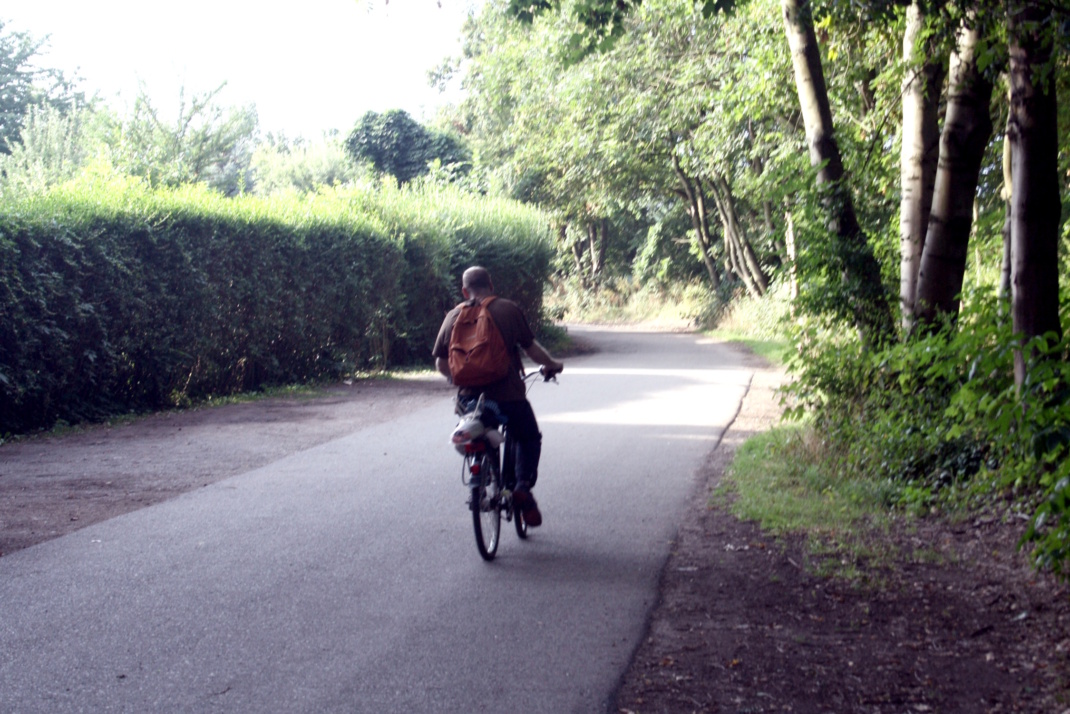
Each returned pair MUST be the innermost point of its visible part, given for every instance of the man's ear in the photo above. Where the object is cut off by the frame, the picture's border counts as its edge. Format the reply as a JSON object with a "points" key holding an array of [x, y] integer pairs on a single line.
{"points": [[464, 291]]}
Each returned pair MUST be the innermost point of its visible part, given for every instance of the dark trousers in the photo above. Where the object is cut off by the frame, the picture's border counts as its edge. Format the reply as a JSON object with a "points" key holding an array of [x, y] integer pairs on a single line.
{"points": [[523, 432]]}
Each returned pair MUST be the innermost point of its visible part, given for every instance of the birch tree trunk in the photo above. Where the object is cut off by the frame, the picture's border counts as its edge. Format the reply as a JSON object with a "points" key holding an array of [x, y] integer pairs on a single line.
{"points": [[1035, 205], [918, 160], [869, 306], [967, 128]]}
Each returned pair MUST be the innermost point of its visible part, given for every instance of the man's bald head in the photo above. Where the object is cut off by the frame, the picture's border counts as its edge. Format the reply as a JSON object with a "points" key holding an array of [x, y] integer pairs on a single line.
{"points": [[476, 282]]}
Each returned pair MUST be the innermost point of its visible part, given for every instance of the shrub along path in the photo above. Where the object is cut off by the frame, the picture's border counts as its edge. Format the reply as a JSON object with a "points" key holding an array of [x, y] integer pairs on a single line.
{"points": [[743, 624]]}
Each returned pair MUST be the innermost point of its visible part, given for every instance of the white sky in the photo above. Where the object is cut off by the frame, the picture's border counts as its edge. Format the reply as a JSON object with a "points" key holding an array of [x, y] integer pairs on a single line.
{"points": [[308, 65]]}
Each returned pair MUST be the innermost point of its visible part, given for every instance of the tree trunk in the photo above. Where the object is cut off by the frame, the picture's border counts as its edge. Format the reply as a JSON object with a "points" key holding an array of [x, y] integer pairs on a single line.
{"points": [[592, 243], [1034, 165], [603, 242], [706, 238], [1006, 194], [733, 264], [967, 128], [789, 246], [577, 254], [735, 254], [746, 262], [770, 230], [865, 91], [918, 160], [869, 306], [696, 210]]}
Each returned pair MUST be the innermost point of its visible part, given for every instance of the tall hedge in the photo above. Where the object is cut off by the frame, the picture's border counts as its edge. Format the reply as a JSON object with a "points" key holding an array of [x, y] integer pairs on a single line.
{"points": [[114, 298]]}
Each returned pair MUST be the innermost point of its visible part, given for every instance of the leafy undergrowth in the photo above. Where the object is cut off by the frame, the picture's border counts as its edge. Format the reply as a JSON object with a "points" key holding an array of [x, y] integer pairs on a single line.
{"points": [[760, 324], [624, 301], [937, 421]]}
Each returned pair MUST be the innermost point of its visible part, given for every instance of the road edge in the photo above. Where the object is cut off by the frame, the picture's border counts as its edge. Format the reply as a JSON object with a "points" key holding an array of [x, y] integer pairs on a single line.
{"points": [[759, 409]]}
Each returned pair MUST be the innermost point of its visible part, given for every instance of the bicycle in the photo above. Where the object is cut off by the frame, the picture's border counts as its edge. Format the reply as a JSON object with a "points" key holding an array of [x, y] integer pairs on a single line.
{"points": [[489, 478]]}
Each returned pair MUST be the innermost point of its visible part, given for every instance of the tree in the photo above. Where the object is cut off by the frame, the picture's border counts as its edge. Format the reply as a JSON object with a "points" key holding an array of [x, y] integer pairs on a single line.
{"points": [[920, 151], [967, 129], [206, 143], [23, 84], [543, 128], [395, 143], [731, 105], [865, 297], [282, 165], [1035, 206], [53, 147], [656, 102], [654, 118]]}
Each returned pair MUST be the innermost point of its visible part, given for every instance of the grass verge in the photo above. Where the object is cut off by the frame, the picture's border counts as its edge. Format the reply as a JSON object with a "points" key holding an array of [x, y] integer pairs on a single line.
{"points": [[784, 480], [774, 350]]}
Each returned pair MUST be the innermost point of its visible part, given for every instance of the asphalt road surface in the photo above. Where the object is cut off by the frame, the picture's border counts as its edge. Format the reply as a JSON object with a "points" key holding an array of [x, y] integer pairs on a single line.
{"points": [[345, 578]]}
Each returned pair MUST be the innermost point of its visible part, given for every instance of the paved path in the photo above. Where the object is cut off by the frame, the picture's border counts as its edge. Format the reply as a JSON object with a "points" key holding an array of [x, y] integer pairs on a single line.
{"points": [[344, 578]]}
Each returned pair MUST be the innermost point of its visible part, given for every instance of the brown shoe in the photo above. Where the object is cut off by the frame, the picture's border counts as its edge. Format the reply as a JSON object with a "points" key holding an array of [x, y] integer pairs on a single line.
{"points": [[529, 510]]}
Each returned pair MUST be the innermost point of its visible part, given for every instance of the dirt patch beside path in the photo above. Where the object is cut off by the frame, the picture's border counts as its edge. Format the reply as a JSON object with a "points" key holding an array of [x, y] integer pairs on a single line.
{"points": [[50, 486], [744, 626]]}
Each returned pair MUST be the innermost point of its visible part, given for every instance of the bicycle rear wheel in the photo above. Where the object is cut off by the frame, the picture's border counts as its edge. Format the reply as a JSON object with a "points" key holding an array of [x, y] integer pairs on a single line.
{"points": [[486, 508]]}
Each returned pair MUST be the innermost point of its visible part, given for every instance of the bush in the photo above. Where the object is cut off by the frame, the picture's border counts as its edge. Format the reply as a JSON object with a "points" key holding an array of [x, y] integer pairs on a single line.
{"points": [[939, 416]]}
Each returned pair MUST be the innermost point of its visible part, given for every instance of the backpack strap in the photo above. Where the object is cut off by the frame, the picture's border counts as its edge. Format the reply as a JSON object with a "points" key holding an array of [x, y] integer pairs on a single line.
{"points": [[473, 302], [511, 348]]}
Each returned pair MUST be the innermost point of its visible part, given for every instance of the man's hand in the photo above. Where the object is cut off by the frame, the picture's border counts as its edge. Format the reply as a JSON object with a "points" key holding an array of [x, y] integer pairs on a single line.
{"points": [[549, 371], [550, 366]]}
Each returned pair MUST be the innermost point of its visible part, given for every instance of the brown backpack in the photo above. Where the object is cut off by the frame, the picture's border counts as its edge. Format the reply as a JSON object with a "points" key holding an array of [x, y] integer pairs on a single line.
{"points": [[478, 355]]}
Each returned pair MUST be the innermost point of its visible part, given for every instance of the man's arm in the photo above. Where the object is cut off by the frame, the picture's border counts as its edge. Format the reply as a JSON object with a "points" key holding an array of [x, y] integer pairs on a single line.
{"points": [[441, 349], [538, 353], [443, 365]]}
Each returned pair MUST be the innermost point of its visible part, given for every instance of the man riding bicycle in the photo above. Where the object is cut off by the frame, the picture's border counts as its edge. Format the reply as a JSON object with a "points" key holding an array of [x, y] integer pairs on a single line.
{"points": [[507, 396]]}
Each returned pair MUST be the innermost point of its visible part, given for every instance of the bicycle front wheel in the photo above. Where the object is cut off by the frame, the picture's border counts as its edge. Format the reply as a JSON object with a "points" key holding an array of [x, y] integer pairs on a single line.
{"points": [[486, 508], [509, 481], [521, 524]]}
